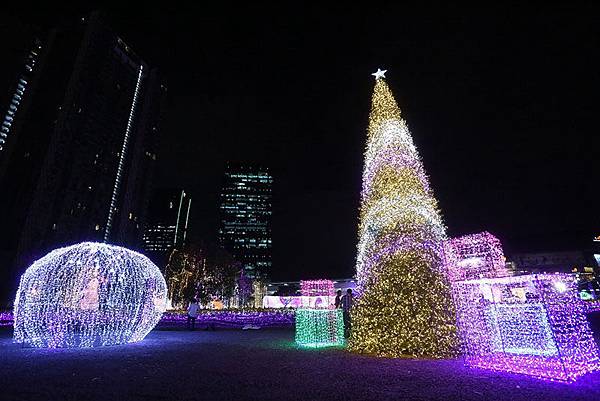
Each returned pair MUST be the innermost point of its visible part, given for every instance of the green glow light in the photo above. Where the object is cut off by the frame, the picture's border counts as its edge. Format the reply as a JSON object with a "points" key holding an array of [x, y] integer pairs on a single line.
{"points": [[316, 328]]}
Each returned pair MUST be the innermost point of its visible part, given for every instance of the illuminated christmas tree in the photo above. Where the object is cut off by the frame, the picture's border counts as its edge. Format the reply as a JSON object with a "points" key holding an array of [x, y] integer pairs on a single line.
{"points": [[406, 306]]}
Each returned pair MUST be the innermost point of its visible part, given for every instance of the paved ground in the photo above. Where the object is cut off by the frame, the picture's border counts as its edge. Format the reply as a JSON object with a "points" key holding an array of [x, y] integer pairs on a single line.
{"points": [[254, 365]]}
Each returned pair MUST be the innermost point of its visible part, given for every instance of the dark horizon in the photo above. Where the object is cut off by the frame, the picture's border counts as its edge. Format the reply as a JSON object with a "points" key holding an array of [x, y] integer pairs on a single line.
{"points": [[501, 104]]}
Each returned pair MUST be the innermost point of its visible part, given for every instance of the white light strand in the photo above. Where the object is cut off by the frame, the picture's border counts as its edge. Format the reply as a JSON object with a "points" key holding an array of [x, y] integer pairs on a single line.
{"points": [[115, 194], [86, 295]]}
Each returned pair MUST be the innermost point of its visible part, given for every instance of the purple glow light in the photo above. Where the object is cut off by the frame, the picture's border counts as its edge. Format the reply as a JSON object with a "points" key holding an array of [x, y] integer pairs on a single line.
{"points": [[323, 290], [526, 324], [231, 319], [6, 319], [474, 256]]}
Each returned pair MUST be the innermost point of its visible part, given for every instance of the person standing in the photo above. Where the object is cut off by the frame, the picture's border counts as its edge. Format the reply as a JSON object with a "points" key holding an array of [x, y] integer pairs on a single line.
{"points": [[338, 299], [347, 301], [192, 314]]}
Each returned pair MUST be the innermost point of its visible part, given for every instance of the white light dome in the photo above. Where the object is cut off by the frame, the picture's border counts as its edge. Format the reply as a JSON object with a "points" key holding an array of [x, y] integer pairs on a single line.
{"points": [[87, 295]]}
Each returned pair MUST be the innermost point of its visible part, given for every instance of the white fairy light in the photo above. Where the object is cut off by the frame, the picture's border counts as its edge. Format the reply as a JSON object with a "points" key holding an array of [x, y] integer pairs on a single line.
{"points": [[113, 200], [86, 295]]}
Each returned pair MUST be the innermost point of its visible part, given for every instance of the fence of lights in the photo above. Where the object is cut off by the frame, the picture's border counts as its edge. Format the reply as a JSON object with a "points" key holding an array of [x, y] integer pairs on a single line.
{"points": [[86, 295], [474, 256], [231, 318], [532, 324], [320, 325]]}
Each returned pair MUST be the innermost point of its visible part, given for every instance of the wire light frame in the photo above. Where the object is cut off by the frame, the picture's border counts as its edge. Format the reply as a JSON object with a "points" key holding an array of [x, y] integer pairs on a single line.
{"points": [[320, 325], [474, 256], [322, 290], [532, 324], [89, 294]]}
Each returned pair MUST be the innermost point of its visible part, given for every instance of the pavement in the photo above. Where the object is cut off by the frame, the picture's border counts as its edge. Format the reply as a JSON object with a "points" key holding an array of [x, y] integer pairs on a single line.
{"points": [[254, 365]]}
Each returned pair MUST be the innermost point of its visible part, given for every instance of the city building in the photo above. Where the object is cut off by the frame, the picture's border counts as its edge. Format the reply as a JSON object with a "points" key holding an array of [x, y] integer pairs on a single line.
{"points": [[22, 75], [553, 262], [167, 224], [246, 211], [583, 264], [82, 157], [596, 249]]}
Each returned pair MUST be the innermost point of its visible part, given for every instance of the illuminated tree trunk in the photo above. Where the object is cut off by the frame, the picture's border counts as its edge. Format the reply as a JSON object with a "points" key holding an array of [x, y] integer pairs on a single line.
{"points": [[406, 306]]}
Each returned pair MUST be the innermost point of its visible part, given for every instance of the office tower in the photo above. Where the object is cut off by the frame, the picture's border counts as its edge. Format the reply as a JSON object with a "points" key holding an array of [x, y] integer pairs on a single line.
{"points": [[167, 224], [21, 75], [246, 210], [82, 160]]}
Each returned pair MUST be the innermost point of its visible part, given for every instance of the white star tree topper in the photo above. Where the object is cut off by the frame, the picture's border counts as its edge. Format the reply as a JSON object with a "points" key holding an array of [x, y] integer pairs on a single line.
{"points": [[379, 73]]}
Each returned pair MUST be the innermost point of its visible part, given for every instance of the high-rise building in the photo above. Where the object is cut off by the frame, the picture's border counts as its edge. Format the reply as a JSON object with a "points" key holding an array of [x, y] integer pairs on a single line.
{"points": [[167, 224], [246, 211], [21, 85], [81, 159]]}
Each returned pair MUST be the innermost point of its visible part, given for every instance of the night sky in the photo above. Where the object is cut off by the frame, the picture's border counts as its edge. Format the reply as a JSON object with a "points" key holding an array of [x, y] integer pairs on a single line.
{"points": [[502, 104]]}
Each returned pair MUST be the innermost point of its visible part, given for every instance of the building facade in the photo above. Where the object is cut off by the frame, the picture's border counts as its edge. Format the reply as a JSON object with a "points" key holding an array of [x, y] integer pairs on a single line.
{"points": [[82, 161], [580, 262], [22, 78], [167, 224], [246, 212]]}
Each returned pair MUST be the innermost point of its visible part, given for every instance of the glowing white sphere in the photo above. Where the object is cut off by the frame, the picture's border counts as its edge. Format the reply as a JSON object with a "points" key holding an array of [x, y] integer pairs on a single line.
{"points": [[87, 295]]}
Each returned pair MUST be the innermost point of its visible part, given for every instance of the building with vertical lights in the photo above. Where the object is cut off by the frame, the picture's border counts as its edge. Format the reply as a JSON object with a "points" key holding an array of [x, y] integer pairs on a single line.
{"points": [[246, 211], [167, 224], [22, 78], [82, 159]]}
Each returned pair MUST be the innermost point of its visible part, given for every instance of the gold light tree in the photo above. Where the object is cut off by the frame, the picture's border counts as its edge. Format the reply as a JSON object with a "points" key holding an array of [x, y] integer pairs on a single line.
{"points": [[405, 308]]}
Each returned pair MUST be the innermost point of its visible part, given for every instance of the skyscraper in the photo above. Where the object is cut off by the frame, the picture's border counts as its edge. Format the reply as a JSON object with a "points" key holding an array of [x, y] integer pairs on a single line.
{"points": [[246, 210], [81, 161], [21, 84], [167, 224]]}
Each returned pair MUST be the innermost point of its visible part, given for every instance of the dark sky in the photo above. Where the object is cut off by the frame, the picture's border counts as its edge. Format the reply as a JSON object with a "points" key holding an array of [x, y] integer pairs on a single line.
{"points": [[502, 104]]}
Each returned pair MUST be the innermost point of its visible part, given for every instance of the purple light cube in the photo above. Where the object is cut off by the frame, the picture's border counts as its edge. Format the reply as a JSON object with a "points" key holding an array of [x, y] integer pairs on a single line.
{"points": [[474, 256], [534, 325]]}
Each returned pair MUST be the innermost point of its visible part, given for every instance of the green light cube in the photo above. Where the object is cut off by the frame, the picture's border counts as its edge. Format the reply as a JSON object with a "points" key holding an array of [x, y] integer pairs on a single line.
{"points": [[319, 327]]}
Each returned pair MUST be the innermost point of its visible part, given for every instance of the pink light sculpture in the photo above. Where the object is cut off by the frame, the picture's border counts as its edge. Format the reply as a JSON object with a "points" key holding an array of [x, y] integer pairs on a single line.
{"points": [[533, 324], [474, 256], [322, 289]]}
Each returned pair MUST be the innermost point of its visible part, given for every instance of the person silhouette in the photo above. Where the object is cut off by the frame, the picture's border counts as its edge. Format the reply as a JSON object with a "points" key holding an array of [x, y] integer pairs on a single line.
{"points": [[192, 314], [338, 299], [347, 301]]}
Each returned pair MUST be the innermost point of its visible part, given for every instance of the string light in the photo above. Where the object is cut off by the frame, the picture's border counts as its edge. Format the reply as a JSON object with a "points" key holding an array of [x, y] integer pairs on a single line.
{"points": [[116, 188], [532, 324], [6, 318], [317, 328], [406, 306], [87, 295], [319, 325], [231, 318], [474, 256], [296, 301], [317, 294]]}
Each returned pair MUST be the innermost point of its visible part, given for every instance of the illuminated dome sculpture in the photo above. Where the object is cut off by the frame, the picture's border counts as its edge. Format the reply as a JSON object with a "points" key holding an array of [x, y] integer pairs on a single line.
{"points": [[86, 295]]}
